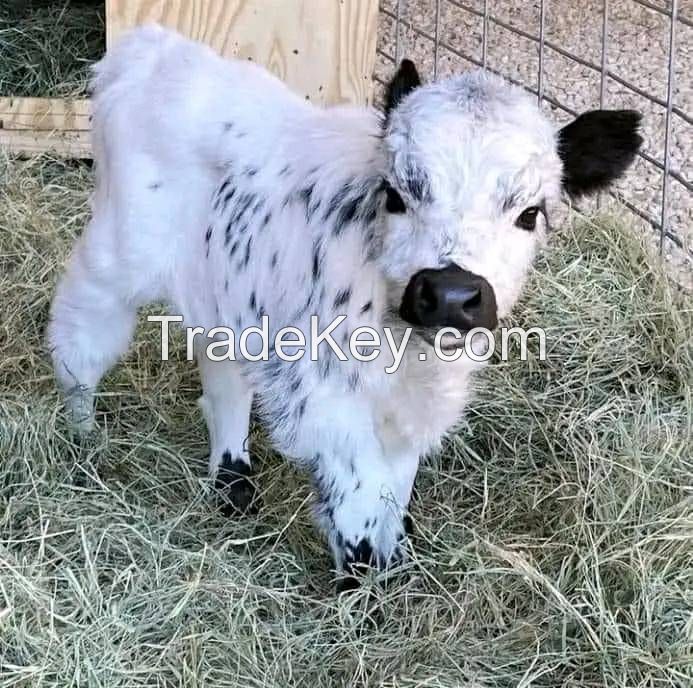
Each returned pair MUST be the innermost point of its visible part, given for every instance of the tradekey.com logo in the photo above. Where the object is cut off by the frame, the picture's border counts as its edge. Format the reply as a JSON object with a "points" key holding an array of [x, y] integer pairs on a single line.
{"points": [[363, 344]]}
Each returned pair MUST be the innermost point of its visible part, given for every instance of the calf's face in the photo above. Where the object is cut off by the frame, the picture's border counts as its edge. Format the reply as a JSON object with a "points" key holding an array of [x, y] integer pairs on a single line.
{"points": [[473, 167]]}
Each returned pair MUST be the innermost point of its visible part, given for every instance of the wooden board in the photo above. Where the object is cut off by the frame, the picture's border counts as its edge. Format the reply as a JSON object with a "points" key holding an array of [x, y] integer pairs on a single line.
{"points": [[44, 114], [67, 144], [34, 125], [324, 49]]}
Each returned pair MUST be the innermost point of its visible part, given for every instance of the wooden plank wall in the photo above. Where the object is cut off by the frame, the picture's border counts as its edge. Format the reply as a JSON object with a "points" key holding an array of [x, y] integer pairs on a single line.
{"points": [[324, 49]]}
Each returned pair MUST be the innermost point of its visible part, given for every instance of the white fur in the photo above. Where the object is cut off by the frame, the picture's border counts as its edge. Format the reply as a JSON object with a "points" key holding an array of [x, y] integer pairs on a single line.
{"points": [[176, 128]]}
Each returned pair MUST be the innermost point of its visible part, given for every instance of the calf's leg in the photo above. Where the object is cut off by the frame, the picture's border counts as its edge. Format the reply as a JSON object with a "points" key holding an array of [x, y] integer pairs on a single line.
{"points": [[91, 326], [225, 403], [362, 493]]}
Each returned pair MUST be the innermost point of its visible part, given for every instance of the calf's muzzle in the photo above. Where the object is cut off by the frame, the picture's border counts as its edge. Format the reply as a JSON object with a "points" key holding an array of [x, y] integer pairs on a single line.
{"points": [[449, 297]]}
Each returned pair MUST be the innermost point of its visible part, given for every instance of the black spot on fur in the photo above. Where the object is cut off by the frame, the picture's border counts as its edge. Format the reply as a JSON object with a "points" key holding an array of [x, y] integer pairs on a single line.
{"points": [[366, 307], [258, 206], [417, 183], [275, 258], [369, 211], [250, 171], [306, 193], [346, 214], [301, 408], [234, 248], [229, 196], [244, 202], [234, 485], [597, 148], [336, 201], [342, 298], [252, 303], [317, 250], [246, 257], [208, 233], [154, 186], [224, 187]]}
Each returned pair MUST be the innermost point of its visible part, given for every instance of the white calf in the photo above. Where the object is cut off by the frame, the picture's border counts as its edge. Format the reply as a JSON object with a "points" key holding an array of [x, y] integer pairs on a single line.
{"points": [[227, 196]]}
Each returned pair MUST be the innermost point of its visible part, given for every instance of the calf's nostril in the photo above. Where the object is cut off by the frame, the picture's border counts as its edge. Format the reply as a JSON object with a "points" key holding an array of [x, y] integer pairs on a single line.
{"points": [[473, 301], [427, 298]]}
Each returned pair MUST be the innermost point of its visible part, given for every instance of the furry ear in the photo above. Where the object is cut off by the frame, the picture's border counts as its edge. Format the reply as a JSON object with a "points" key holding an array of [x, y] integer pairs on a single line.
{"points": [[403, 82], [597, 148]]}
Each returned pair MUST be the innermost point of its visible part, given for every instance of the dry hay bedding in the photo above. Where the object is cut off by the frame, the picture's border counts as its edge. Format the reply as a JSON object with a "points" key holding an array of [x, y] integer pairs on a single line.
{"points": [[552, 542]]}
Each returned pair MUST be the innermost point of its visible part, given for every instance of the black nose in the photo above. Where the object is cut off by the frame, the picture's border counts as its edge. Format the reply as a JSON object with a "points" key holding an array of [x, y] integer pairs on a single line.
{"points": [[451, 297]]}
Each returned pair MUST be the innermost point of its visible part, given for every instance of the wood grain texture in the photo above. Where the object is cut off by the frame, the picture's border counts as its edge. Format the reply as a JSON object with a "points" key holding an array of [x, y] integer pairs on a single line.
{"points": [[44, 114], [69, 144], [37, 125], [324, 49]]}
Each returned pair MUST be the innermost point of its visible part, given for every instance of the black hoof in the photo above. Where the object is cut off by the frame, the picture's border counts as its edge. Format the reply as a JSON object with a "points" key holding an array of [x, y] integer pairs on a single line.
{"points": [[348, 584], [235, 486], [357, 559], [408, 525]]}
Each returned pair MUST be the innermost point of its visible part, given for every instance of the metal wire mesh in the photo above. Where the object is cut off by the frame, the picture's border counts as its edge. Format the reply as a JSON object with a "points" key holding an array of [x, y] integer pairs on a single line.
{"points": [[536, 44]]}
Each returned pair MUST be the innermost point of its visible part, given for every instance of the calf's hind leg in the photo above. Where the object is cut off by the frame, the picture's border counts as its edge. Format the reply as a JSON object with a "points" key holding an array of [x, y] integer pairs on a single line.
{"points": [[91, 326], [225, 402]]}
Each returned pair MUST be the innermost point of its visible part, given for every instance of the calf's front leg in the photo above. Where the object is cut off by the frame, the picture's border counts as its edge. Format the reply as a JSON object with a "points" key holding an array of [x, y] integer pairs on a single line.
{"points": [[362, 498]]}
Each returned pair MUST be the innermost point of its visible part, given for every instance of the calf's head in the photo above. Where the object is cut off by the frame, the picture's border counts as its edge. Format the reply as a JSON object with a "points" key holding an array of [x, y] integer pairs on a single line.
{"points": [[472, 166]]}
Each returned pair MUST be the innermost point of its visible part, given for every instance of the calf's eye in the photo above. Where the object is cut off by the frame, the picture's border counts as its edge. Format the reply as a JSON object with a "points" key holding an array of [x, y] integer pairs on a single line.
{"points": [[394, 202], [528, 218]]}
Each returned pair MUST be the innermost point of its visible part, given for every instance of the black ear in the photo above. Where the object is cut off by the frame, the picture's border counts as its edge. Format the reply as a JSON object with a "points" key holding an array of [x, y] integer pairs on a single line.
{"points": [[405, 81], [597, 148]]}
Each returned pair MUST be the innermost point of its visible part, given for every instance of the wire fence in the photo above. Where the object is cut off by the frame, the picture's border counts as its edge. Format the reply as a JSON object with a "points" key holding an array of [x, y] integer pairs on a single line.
{"points": [[574, 56]]}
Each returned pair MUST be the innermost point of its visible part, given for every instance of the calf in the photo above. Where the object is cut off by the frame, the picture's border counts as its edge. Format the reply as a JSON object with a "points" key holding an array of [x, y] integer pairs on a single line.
{"points": [[230, 198]]}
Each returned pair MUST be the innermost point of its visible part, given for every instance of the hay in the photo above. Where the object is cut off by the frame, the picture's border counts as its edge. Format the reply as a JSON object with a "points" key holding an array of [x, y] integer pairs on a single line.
{"points": [[46, 46], [553, 534]]}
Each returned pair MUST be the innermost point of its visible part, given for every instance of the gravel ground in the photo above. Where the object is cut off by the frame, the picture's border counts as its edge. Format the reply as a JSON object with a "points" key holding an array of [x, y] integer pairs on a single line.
{"points": [[637, 51]]}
